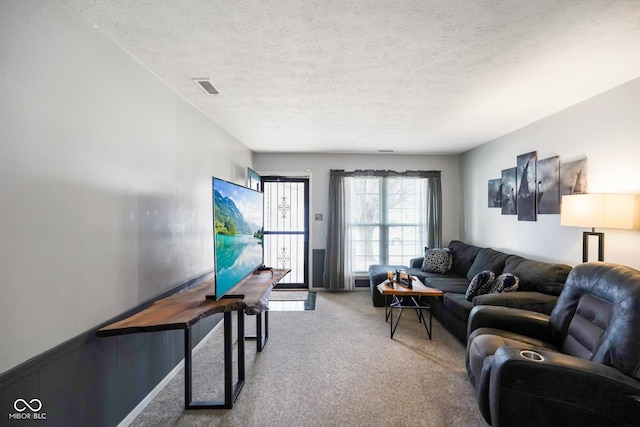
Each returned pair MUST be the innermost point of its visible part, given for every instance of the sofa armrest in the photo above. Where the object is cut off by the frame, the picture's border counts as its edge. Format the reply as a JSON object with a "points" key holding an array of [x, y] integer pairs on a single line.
{"points": [[377, 275], [559, 390], [524, 322], [416, 262]]}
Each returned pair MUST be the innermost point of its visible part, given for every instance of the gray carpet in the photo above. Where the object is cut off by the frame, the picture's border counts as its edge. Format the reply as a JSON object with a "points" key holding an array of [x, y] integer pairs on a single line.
{"points": [[334, 366]]}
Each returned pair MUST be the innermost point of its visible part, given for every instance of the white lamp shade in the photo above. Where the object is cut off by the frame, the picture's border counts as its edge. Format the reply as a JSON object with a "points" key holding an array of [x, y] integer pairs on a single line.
{"points": [[601, 211]]}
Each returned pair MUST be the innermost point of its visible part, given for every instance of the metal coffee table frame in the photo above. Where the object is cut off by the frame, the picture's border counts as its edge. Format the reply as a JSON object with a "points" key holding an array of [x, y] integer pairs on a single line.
{"points": [[400, 302]]}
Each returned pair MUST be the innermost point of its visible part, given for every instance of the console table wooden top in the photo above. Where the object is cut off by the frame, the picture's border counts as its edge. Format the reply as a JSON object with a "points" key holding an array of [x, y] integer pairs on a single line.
{"points": [[181, 310]]}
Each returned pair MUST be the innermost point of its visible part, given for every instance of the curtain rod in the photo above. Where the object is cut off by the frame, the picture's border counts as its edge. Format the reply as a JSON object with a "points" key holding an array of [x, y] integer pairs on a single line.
{"points": [[383, 173]]}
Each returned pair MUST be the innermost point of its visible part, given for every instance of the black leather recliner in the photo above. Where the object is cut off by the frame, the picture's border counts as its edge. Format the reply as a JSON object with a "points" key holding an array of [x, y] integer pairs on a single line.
{"points": [[580, 366]]}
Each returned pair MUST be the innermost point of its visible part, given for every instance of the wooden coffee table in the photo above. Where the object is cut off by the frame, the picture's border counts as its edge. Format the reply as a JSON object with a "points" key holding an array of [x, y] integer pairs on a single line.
{"points": [[404, 297]]}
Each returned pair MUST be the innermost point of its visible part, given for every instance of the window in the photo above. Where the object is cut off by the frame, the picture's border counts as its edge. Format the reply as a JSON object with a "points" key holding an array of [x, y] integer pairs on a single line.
{"points": [[386, 219]]}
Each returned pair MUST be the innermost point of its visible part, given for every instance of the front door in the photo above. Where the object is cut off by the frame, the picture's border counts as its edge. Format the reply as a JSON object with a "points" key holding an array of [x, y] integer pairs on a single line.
{"points": [[286, 228]]}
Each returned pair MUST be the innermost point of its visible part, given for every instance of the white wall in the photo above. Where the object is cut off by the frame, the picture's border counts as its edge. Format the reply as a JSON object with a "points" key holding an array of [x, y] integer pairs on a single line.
{"points": [[317, 166], [604, 129], [105, 180]]}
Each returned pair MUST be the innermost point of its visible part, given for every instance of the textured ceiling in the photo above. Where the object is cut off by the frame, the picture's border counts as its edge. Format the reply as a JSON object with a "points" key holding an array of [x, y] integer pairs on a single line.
{"points": [[414, 76]]}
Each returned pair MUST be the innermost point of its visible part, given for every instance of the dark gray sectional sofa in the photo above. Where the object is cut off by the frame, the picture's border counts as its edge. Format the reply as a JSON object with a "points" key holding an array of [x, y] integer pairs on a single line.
{"points": [[540, 284]]}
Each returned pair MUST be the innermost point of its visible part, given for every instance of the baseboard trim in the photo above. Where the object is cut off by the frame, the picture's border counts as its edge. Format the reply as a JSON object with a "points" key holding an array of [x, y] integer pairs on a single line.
{"points": [[131, 416], [149, 397]]}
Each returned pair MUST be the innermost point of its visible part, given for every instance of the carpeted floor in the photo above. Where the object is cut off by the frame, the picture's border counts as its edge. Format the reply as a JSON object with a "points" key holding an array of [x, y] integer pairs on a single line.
{"points": [[334, 366]]}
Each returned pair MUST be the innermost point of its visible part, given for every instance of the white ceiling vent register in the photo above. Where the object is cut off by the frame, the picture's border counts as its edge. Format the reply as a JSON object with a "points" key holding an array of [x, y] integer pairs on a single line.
{"points": [[206, 85]]}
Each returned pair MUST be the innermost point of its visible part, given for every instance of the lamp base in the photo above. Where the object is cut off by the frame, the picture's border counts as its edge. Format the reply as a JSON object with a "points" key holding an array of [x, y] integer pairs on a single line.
{"points": [[585, 244]]}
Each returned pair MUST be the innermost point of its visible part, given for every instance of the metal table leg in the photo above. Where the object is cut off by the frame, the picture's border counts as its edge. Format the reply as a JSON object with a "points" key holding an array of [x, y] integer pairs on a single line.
{"points": [[231, 392], [397, 303], [261, 339]]}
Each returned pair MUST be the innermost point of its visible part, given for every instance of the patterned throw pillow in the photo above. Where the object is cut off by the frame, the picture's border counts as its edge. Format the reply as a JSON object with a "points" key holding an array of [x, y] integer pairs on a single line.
{"points": [[496, 287], [507, 282], [480, 284], [437, 260]]}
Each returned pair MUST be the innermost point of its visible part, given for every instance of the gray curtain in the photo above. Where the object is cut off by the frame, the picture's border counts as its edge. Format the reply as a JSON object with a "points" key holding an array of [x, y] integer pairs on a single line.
{"points": [[434, 212], [335, 256]]}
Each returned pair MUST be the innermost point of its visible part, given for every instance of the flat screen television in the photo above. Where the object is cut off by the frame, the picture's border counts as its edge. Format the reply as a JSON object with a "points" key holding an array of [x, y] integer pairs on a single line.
{"points": [[237, 233]]}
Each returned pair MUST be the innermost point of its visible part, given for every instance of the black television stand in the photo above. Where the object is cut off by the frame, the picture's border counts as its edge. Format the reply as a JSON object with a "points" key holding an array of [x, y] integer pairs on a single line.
{"points": [[230, 296]]}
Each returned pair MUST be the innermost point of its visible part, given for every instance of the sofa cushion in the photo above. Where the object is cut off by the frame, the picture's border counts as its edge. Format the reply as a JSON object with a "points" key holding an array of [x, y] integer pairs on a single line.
{"points": [[463, 256], [458, 305], [537, 276], [445, 282], [416, 262], [487, 259], [480, 284], [534, 301], [437, 260]]}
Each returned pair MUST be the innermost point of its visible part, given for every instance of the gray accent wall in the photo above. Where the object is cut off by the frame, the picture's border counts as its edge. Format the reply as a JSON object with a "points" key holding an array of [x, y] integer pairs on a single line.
{"points": [[105, 180], [606, 130]]}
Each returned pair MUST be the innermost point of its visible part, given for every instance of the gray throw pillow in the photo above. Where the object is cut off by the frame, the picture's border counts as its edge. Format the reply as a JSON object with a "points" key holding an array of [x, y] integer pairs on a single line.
{"points": [[437, 260], [480, 284]]}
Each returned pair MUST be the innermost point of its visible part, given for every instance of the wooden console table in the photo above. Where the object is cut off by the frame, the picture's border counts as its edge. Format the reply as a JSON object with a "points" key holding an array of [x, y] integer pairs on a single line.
{"points": [[184, 309]]}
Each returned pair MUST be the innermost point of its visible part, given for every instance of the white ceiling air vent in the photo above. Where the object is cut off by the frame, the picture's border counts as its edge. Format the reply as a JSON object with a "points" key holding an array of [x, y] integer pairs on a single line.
{"points": [[206, 85]]}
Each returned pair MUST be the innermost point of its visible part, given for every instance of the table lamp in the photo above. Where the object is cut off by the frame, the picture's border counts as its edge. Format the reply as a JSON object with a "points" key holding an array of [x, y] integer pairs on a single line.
{"points": [[602, 211]]}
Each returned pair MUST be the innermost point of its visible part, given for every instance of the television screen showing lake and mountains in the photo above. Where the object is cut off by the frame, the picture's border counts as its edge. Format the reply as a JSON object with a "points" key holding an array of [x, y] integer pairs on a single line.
{"points": [[238, 233]]}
